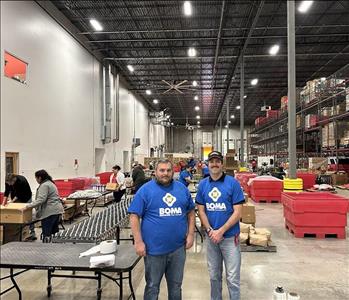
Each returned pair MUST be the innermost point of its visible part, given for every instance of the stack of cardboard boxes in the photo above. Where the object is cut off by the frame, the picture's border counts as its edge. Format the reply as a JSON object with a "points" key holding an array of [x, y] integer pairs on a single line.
{"points": [[230, 164]]}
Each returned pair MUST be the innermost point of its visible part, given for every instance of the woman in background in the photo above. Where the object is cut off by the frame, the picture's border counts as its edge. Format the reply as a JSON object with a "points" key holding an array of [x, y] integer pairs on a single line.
{"points": [[119, 178], [47, 204]]}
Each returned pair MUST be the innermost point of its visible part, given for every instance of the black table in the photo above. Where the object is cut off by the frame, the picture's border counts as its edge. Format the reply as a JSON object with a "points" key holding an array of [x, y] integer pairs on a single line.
{"points": [[53, 257]]}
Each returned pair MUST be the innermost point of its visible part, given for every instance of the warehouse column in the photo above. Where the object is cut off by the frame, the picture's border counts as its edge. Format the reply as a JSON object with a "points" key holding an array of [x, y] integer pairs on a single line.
{"points": [[242, 110], [227, 126], [291, 90], [220, 135]]}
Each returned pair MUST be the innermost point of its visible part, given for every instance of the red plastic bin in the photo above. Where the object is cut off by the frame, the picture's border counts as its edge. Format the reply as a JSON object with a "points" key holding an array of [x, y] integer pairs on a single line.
{"points": [[104, 177], [318, 213], [243, 178], [308, 179], [266, 189]]}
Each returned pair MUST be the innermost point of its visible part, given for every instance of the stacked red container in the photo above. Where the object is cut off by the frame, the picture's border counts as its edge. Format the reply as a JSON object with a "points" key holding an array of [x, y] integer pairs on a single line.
{"points": [[65, 188], [243, 178], [308, 179], [104, 177], [88, 181], [266, 189], [317, 214]]}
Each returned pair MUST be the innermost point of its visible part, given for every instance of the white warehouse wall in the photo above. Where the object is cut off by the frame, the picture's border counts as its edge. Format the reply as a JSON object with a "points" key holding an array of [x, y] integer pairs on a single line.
{"points": [[55, 118]]}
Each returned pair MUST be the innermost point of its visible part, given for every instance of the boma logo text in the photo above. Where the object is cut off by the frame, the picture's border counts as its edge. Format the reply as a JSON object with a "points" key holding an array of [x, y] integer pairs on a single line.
{"points": [[170, 211], [215, 206]]}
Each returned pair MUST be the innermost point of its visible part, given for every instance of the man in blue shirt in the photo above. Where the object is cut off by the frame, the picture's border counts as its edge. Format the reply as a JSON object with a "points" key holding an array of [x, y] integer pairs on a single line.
{"points": [[205, 171], [220, 198], [185, 176], [167, 229]]}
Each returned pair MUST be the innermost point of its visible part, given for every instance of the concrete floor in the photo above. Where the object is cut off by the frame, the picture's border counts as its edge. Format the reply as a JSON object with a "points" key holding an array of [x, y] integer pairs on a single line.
{"points": [[313, 268]]}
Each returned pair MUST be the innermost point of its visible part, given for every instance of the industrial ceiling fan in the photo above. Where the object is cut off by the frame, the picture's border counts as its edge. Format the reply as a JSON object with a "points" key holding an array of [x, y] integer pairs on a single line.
{"points": [[179, 87]]}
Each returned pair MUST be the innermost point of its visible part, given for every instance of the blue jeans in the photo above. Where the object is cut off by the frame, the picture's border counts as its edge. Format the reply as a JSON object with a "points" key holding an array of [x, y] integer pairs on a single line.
{"points": [[226, 251], [172, 265]]}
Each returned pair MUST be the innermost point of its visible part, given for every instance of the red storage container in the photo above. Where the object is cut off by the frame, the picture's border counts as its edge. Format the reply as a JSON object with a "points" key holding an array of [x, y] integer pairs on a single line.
{"points": [[272, 114], [243, 178], [2, 198], [88, 181], [317, 213], [266, 189], [308, 179], [260, 121], [104, 177], [65, 187]]}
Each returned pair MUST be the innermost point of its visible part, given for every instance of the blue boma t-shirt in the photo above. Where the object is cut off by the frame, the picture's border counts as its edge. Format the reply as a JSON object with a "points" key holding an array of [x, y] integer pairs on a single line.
{"points": [[218, 197], [183, 175], [163, 210]]}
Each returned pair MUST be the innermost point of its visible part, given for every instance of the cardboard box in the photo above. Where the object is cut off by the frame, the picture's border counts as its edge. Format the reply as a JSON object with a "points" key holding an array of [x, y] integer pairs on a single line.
{"points": [[339, 178], [11, 213], [11, 233], [248, 214], [112, 186]]}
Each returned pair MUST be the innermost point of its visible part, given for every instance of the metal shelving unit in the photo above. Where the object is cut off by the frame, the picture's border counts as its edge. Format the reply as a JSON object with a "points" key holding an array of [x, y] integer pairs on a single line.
{"points": [[331, 94]]}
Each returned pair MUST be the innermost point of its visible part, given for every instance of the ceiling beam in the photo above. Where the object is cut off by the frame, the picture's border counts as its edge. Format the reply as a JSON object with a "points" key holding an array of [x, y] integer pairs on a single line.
{"points": [[214, 38], [210, 29]]}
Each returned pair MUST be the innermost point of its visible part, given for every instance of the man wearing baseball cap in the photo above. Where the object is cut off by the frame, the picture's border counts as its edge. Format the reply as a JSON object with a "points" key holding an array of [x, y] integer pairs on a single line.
{"points": [[220, 200]]}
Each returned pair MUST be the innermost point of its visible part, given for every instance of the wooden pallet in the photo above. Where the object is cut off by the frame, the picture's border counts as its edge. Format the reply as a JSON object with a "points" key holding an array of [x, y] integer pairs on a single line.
{"points": [[253, 248]]}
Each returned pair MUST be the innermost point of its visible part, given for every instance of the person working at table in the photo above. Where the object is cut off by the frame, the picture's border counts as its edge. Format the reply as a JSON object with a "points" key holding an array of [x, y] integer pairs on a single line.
{"points": [[185, 176], [47, 204]]}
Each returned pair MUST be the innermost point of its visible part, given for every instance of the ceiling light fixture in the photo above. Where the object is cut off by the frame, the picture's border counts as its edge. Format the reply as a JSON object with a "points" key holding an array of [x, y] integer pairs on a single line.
{"points": [[238, 107], [274, 49], [167, 116], [197, 108], [156, 101], [232, 117], [148, 92], [196, 98], [254, 81], [96, 25], [198, 117], [172, 123], [130, 68], [187, 8], [198, 122], [304, 6], [191, 52], [195, 83], [245, 96]]}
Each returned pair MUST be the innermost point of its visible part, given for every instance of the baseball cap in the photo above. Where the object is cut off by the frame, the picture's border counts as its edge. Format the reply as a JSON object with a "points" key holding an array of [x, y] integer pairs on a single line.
{"points": [[215, 154]]}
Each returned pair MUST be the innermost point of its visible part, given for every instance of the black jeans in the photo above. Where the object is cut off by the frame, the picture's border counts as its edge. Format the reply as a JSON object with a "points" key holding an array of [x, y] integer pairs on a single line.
{"points": [[50, 226], [118, 195]]}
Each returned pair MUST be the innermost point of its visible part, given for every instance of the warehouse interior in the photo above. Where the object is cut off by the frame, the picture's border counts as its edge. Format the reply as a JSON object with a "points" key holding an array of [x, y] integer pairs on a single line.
{"points": [[87, 85]]}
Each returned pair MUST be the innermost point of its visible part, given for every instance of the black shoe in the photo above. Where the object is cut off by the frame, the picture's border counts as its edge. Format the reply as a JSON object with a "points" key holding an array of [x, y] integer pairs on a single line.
{"points": [[32, 238]]}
